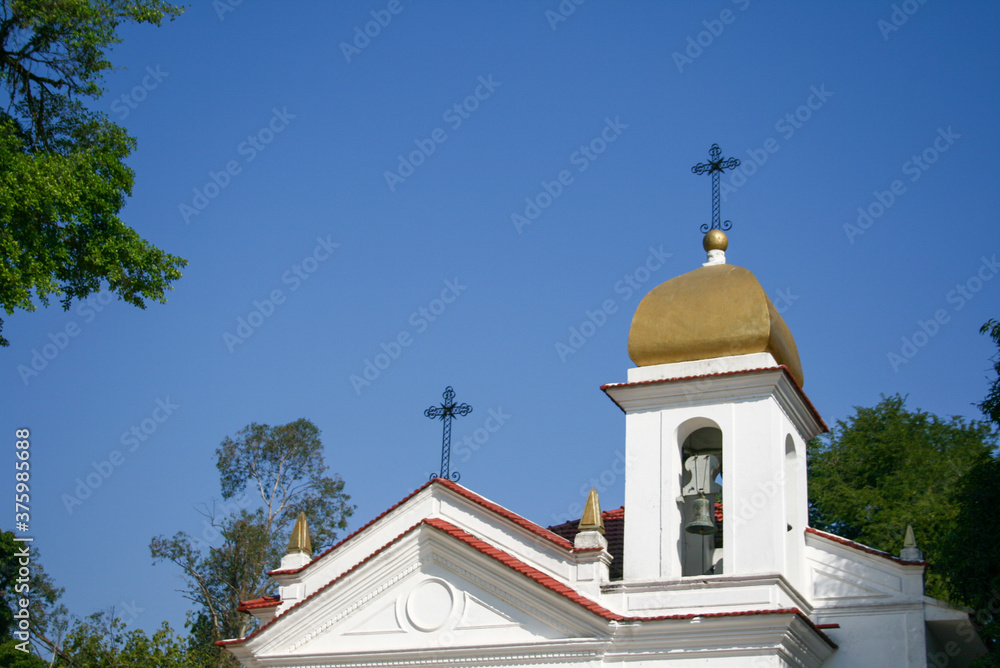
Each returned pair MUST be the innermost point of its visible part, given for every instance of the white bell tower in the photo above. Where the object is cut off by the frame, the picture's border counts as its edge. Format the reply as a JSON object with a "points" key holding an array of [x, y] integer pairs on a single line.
{"points": [[714, 411]]}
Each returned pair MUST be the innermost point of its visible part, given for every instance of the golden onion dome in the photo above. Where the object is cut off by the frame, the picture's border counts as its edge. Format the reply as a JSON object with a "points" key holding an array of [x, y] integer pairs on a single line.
{"points": [[716, 310]]}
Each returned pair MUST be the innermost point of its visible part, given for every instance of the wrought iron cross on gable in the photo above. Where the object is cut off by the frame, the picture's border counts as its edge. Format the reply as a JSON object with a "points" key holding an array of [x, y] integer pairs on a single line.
{"points": [[447, 411], [715, 167]]}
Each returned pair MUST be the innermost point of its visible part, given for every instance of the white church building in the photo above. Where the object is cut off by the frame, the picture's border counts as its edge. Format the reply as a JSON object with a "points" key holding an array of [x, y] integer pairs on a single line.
{"points": [[711, 562]]}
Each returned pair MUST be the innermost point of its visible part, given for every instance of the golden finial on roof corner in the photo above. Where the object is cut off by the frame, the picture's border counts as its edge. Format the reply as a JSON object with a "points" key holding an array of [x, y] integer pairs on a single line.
{"points": [[300, 541], [592, 519]]}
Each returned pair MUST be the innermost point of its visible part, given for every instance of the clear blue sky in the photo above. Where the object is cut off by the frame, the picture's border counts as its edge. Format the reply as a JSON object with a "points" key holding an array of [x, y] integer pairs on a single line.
{"points": [[826, 103]]}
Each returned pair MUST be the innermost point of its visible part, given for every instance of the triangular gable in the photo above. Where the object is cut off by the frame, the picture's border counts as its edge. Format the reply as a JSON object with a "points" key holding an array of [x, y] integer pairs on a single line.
{"points": [[433, 586], [529, 542], [844, 572], [468, 494]]}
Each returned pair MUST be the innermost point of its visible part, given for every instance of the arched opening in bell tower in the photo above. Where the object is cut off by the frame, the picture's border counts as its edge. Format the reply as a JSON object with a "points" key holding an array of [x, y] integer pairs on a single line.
{"points": [[701, 499]]}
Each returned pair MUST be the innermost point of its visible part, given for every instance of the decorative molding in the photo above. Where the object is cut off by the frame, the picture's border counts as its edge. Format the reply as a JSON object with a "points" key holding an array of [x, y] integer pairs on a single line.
{"points": [[480, 658], [738, 386], [358, 603], [500, 593]]}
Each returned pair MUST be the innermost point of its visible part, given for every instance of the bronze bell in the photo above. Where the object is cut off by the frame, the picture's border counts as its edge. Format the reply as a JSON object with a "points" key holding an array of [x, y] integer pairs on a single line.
{"points": [[701, 523]]}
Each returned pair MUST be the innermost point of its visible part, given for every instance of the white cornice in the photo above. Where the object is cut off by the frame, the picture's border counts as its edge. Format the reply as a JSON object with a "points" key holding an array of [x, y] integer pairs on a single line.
{"points": [[713, 583], [731, 387]]}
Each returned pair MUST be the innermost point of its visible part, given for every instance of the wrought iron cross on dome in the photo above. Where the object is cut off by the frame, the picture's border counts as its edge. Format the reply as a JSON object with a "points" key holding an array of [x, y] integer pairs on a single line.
{"points": [[715, 167], [447, 411]]}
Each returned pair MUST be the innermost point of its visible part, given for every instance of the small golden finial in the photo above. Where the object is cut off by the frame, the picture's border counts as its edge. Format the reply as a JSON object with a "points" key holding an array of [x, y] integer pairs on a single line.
{"points": [[300, 542], [715, 240], [592, 519]]}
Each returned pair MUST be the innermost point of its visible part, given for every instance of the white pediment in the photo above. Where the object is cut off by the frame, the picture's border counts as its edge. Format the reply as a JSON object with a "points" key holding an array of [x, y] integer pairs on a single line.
{"points": [[847, 575], [428, 591], [432, 609], [840, 585]]}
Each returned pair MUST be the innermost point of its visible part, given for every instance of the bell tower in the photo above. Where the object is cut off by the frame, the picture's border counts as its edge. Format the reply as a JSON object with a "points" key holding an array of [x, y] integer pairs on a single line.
{"points": [[716, 430]]}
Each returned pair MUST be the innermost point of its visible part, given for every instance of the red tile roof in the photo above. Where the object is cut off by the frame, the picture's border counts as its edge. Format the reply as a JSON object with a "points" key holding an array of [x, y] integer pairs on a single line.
{"points": [[522, 522], [532, 573], [524, 569], [863, 548], [782, 367], [265, 602], [614, 532]]}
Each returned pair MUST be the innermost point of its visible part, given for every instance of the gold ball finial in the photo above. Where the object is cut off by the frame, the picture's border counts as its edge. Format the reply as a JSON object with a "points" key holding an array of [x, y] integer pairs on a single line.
{"points": [[715, 240]]}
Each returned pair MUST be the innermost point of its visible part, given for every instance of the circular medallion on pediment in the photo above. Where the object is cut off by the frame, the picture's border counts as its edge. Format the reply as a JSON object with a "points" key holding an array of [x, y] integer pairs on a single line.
{"points": [[430, 605]]}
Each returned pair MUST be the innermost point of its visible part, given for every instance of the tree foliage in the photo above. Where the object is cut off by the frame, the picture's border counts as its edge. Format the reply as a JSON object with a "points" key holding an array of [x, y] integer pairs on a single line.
{"points": [[971, 556], [49, 618], [887, 467], [282, 469], [990, 406], [102, 640], [63, 178]]}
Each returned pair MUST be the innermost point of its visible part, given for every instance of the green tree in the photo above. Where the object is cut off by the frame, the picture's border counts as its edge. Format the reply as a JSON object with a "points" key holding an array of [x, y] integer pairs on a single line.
{"points": [[12, 657], [990, 406], [63, 178], [887, 467], [971, 556], [49, 618], [98, 641], [102, 640], [283, 469]]}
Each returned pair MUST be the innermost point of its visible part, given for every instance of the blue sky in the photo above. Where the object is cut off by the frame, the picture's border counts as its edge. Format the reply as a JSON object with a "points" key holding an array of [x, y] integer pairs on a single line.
{"points": [[266, 132]]}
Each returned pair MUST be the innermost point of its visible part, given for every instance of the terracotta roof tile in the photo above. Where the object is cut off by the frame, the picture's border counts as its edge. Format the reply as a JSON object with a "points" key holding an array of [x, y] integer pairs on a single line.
{"points": [[265, 602], [614, 532], [524, 523], [532, 573], [782, 367], [863, 548]]}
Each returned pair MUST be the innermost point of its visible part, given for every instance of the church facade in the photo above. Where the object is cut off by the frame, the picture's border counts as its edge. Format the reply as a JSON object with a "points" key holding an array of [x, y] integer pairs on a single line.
{"points": [[711, 562]]}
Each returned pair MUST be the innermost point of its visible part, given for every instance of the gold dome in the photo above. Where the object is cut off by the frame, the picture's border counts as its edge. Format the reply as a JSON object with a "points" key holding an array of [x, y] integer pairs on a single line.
{"points": [[713, 311]]}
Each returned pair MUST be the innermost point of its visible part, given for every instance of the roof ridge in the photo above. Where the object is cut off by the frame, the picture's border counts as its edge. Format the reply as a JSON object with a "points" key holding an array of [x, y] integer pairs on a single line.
{"points": [[464, 492], [847, 542]]}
